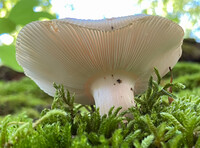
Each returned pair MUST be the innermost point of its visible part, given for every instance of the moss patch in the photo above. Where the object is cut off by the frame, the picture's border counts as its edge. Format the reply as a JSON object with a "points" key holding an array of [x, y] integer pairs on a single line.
{"points": [[17, 95]]}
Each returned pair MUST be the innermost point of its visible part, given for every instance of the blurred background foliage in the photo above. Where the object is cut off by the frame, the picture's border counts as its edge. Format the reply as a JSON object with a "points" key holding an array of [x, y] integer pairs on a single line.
{"points": [[183, 12], [14, 14], [17, 96]]}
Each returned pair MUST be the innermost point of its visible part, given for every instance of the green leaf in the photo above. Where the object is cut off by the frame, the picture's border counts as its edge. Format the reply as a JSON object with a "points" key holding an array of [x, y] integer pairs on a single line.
{"points": [[132, 136], [6, 25], [197, 143], [117, 138], [4, 132], [44, 15], [51, 117], [7, 56], [170, 134], [158, 75], [94, 138], [175, 142], [137, 144], [150, 84], [151, 126], [171, 118], [147, 141], [22, 13]]}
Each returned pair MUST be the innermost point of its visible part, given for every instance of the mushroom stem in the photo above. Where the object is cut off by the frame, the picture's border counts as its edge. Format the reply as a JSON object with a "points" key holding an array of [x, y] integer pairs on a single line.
{"points": [[112, 91]]}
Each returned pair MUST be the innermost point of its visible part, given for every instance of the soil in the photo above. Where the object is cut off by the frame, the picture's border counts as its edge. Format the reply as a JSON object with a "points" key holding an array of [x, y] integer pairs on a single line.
{"points": [[191, 51], [7, 74]]}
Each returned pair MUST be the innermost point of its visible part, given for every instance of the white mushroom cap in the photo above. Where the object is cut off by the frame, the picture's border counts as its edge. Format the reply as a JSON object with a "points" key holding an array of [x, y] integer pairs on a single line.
{"points": [[76, 52]]}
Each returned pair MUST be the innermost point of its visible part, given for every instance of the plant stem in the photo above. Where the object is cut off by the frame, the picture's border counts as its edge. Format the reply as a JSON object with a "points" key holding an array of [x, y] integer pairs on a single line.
{"points": [[113, 90]]}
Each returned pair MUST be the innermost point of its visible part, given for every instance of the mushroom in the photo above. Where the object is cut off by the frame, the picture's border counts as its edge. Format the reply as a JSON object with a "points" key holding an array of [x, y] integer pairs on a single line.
{"points": [[104, 62]]}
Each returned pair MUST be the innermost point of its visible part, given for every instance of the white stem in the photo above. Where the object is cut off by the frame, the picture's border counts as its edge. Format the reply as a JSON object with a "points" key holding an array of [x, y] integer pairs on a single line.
{"points": [[113, 90]]}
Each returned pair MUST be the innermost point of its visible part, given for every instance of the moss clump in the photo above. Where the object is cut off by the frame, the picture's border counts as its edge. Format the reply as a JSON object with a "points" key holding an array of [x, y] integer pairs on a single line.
{"points": [[17, 95], [187, 92], [14, 103], [190, 81], [154, 122], [25, 85], [186, 73], [185, 68]]}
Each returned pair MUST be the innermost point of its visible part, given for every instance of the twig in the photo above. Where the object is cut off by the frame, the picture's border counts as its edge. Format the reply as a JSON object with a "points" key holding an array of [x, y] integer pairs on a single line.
{"points": [[170, 99]]}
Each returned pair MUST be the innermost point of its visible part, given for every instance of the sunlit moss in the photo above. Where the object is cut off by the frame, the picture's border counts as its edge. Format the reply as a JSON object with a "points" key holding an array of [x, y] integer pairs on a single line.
{"points": [[16, 95]]}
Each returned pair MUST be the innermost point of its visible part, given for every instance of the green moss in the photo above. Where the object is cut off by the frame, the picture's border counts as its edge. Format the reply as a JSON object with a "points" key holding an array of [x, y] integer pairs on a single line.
{"points": [[16, 95], [25, 85], [14, 103], [188, 92], [154, 122], [187, 74], [190, 81], [30, 112], [184, 68]]}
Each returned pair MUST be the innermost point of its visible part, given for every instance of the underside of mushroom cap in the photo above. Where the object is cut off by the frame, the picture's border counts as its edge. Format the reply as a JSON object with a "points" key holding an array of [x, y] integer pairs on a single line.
{"points": [[75, 52], [109, 24]]}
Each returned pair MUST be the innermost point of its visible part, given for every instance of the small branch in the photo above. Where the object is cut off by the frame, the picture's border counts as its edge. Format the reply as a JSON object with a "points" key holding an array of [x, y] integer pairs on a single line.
{"points": [[92, 107], [19, 123], [170, 99]]}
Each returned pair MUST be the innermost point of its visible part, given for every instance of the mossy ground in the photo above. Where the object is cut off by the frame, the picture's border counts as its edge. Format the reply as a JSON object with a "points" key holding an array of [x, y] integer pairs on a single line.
{"points": [[188, 74], [154, 122], [22, 96]]}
